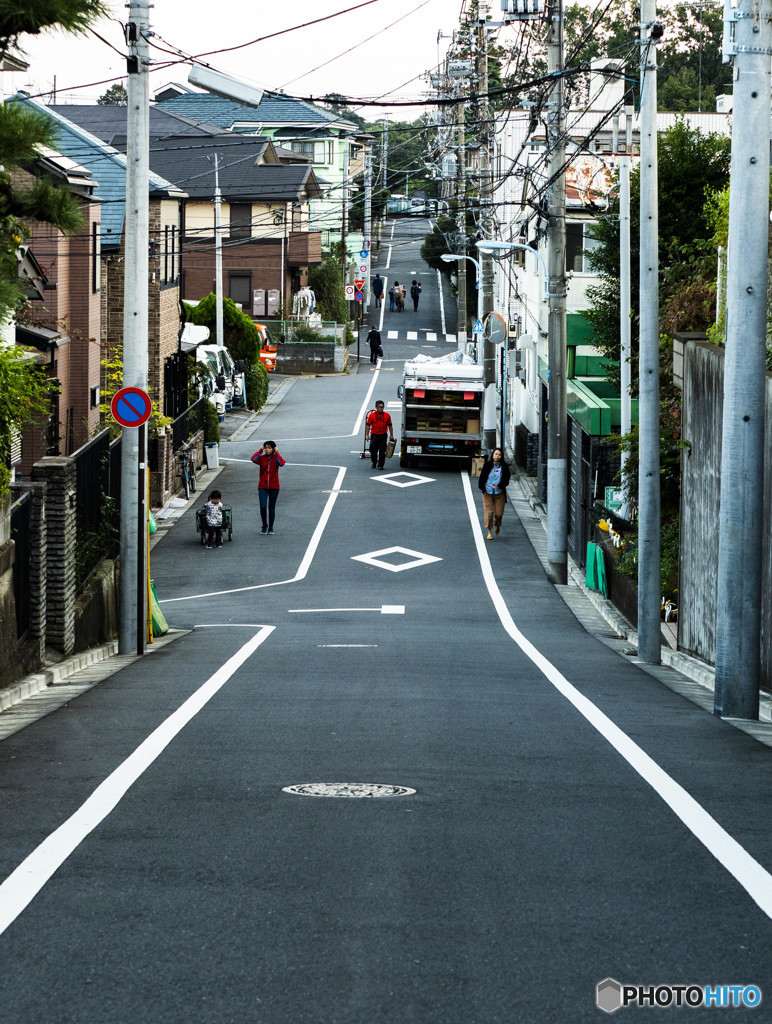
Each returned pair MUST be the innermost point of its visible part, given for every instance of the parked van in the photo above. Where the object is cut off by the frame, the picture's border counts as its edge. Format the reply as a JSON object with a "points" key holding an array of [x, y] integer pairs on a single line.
{"points": [[221, 364]]}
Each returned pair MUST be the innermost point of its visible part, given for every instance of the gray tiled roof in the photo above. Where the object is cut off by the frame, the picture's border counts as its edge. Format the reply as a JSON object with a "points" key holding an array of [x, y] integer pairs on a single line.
{"points": [[109, 122], [106, 165], [273, 109]]}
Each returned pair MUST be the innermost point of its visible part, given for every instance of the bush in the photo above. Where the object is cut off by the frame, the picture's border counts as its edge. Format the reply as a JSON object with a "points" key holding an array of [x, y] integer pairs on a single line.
{"points": [[211, 423], [241, 337], [256, 379]]}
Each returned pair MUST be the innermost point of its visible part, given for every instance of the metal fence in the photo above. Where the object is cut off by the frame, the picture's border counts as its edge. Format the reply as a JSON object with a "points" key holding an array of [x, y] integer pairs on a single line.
{"points": [[20, 533], [186, 425], [294, 331]]}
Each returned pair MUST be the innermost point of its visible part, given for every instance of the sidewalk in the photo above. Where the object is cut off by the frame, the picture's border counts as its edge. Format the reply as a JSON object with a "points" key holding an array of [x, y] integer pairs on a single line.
{"points": [[699, 679]]}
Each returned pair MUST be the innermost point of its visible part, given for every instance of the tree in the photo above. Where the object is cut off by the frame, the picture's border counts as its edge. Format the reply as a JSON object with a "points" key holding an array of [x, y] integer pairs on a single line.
{"points": [[326, 282], [116, 96], [692, 166], [240, 334]]}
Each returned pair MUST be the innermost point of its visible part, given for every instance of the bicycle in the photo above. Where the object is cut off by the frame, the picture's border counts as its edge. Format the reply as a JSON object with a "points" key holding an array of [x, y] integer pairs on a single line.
{"points": [[188, 471]]}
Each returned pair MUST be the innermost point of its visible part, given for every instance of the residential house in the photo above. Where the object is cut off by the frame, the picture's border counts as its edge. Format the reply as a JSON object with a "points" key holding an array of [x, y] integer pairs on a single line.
{"points": [[62, 281], [335, 147], [265, 193], [108, 166]]}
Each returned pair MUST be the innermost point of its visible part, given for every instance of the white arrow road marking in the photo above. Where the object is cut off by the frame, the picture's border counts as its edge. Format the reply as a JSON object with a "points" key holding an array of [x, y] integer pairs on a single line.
{"points": [[385, 609], [755, 879], [25, 882]]}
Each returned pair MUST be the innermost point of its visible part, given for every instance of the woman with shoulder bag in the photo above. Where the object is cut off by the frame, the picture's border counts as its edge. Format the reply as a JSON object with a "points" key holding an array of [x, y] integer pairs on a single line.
{"points": [[494, 479]]}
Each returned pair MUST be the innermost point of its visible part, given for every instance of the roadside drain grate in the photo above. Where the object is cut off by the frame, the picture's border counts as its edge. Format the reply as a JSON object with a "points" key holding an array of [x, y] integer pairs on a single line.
{"points": [[347, 789]]}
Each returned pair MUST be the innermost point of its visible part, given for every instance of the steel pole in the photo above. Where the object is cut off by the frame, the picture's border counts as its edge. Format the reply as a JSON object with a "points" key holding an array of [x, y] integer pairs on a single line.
{"points": [[218, 254], [625, 348]]}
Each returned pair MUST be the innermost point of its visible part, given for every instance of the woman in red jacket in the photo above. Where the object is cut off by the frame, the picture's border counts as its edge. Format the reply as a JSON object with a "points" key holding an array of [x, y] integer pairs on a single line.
{"points": [[269, 460]]}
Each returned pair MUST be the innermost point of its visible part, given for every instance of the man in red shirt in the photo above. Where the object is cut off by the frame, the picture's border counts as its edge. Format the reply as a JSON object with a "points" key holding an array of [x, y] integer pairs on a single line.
{"points": [[377, 425]]}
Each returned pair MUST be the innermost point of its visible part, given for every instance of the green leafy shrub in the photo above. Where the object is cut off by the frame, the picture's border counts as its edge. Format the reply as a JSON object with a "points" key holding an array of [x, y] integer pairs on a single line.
{"points": [[211, 423], [241, 337], [256, 379]]}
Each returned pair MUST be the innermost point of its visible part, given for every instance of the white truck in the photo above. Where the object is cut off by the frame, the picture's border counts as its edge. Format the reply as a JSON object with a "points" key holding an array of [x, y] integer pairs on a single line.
{"points": [[442, 409]]}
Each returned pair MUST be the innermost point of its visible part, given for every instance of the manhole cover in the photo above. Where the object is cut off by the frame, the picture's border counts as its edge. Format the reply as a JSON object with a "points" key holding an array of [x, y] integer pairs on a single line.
{"points": [[347, 789]]}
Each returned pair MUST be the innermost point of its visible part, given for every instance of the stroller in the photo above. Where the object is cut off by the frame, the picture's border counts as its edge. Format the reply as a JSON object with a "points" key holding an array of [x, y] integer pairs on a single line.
{"points": [[399, 299], [227, 524]]}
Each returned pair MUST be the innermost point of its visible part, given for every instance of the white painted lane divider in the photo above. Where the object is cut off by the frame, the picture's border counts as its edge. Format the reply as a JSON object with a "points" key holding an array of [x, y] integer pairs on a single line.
{"points": [[442, 301], [385, 609], [754, 878], [25, 882]]}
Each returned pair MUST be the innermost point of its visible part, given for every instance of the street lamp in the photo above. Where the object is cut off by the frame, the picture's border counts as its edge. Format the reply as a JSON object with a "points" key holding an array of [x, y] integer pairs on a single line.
{"points": [[489, 246], [449, 257]]}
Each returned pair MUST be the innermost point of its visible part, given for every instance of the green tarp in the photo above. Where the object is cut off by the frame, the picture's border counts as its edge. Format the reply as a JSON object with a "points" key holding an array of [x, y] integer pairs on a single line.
{"points": [[595, 578]]}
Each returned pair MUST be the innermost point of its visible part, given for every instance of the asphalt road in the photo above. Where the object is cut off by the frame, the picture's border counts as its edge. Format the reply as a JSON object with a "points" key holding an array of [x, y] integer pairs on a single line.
{"points": [[571, 818]]}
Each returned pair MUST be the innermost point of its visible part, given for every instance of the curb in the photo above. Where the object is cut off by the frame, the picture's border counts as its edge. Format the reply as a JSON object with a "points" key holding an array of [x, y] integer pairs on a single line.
{"points": [[697, 671]]}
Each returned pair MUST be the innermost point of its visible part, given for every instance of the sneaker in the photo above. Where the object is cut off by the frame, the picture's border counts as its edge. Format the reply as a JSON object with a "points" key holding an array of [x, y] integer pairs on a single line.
{"points": [[264, 530], [209, 547], [490, 536], [270, 533]]}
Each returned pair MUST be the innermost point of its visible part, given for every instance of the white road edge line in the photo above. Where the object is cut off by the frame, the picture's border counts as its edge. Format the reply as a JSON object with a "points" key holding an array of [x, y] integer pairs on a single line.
{"points": [[384, 609], [442, 301], [305, 564], [25, 882], [754, 878]]}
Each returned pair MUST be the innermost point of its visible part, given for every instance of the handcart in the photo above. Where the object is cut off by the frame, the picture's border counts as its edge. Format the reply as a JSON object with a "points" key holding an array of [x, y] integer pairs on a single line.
{"points": [[227, 523]]}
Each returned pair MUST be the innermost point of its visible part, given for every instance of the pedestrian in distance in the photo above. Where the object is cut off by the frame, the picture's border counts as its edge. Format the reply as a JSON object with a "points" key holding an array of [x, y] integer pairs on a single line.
{"points": [[378, 290], [213, 513], [494, 479], [391, 299], [269, 460], [415, 294], [377, 426], [399, 296], [374, 341]]}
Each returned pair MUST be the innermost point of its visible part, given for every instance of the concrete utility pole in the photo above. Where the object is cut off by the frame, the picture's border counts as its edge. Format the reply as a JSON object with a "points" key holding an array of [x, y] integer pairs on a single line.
{"points": [[557, 425], [461, 331], [133, 583], [218, 253], [486, 225], [649, 571], [741, 521]]}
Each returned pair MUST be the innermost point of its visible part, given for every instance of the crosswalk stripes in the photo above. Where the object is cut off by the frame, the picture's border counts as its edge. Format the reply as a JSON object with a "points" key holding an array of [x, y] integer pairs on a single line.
{"points": [[413, 336]]}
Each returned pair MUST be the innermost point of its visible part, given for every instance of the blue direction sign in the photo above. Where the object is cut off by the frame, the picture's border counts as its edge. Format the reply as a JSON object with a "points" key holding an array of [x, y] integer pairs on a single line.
{"points": [[131, 407], [478, 328], [364, 253]]}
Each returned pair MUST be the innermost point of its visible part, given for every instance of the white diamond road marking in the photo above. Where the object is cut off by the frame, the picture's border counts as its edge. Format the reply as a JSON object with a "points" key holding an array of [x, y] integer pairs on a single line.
{"points": [[409, 479], [412, 335], [418, 558], [392, 334], [394, 405]]}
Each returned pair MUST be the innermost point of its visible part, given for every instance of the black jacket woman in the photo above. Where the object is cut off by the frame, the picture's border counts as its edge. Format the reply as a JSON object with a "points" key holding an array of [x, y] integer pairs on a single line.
{"points": [[494, 480]]}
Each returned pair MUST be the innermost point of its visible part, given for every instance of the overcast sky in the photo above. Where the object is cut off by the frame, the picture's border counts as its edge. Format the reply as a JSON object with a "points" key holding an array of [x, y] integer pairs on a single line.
{"points": [[392, 60]]}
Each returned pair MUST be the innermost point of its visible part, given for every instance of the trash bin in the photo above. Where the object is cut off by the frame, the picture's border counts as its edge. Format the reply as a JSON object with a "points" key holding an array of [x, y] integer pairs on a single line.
{"points": [[211, 451]]}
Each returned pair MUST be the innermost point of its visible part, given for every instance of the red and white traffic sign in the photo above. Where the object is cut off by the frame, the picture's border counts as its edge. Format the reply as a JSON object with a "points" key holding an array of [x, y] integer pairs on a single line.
{"points": [[359, 285], [131, 407]]}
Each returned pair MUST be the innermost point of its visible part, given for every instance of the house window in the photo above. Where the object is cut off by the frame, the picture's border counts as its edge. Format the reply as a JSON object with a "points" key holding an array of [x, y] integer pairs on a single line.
{"points": [[96, 258], [241, 220], [579, 242], [240, 288], [95, 396], [166, 253], [317, 152]]}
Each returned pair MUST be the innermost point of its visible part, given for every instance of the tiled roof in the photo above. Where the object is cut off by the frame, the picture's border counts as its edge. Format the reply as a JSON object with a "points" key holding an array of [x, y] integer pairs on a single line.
{"points": [[109, 122], [189, 163], [106, 165], [273, 109]]}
